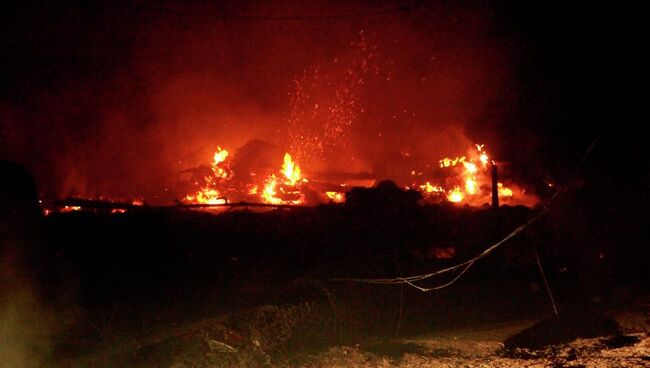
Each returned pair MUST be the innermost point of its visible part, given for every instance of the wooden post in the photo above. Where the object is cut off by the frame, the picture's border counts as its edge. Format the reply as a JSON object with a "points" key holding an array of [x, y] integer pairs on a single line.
{"points": [[495, 186]]}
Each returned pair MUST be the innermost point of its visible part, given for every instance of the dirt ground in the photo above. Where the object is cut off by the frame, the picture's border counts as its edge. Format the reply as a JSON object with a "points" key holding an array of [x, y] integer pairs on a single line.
{"points": [[485, 347]]}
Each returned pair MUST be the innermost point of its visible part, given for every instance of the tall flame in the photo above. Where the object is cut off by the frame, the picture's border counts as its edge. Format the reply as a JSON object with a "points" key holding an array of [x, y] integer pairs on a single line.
{"points": [[284, 189], [290, 170], [219, 158]]}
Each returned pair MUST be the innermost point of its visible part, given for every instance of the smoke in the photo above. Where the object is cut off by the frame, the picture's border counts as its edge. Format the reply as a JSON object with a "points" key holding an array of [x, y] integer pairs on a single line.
{"points": [[25, 329], [155, 89]]}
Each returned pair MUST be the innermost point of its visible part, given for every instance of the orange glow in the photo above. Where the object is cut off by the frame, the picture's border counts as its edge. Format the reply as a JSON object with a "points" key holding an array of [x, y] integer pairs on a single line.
{"points": [[467, 179], [70, 209], [504, 191], [448, 162], [219, 156], [219, 165], [270, 191], [290, 170], [285, 188], [206, 196], [428, 188], [335, 197], [483, 156], [456, 195], [470, 186], [470, 167], [459, 179]]}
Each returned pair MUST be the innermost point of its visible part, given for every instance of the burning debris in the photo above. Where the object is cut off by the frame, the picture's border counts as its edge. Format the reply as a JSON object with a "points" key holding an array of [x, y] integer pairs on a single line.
{"points": [[259, 174], [464, 179]]}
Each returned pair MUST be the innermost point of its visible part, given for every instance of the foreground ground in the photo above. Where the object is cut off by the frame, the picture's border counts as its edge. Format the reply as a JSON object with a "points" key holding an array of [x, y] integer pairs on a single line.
{"points": [[485, 348], [180, 289], [615, 337]]}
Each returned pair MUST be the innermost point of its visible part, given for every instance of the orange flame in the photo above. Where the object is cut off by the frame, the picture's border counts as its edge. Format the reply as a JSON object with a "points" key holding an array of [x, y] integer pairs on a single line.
{"points": [[220, 171], [467, 179], [206, 196], [290, 170], [428, 188], [455, 195], [70, 209], [504, 191], [335, 197], [463, 179], [287, 190]]}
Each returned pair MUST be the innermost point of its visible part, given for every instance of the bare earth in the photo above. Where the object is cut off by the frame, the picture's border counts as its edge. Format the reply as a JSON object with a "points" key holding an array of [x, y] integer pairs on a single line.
{"points": [[485, 348]]}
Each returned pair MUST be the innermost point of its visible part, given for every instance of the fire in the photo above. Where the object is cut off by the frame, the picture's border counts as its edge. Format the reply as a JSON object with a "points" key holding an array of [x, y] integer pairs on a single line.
{"points": [[447, 162], [503, 191], [219, 156], [270, 191], [219, 168], [335, 197], [455, 195], [470, 167], [290, 170], [70, 209], [206, 196], [462, 179], [286, 191], [428, 188], [483, 157], [470, 186], [466, 179]]}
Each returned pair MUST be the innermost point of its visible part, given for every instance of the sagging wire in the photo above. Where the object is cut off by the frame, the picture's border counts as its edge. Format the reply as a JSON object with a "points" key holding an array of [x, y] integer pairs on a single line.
{"points": [[464, 266]]}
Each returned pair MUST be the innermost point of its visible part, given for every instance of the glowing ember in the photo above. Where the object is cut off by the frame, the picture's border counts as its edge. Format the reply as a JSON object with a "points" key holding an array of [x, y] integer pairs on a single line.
{"points": [[70, 209], [206, 196], [270, 191], [335, 196], [455, 195], [428, 188], [503, 191], [447, 162]]}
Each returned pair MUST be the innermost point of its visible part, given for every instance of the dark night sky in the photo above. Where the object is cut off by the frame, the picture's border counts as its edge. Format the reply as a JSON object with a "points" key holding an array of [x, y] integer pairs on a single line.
{"points": [[107, 96]]}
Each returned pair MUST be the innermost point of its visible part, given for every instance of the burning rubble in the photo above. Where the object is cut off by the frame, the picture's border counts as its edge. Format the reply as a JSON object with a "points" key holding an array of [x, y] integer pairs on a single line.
{"points": [[464, 179], [261, 174]]}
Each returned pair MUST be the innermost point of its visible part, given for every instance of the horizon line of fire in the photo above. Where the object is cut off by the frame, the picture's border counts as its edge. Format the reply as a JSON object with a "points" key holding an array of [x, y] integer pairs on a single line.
{"points": [[287, 186], [284, 187]]}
